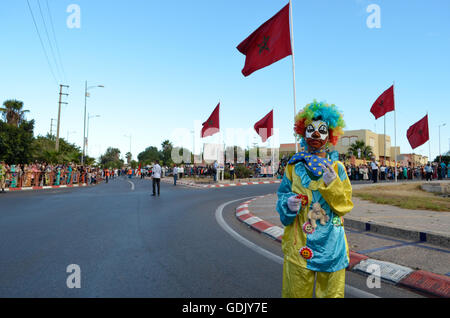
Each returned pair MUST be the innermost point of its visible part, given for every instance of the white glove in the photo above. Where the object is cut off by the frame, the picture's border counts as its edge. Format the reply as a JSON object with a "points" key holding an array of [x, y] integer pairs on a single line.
{"points": [[294, 203], [328, 174]]}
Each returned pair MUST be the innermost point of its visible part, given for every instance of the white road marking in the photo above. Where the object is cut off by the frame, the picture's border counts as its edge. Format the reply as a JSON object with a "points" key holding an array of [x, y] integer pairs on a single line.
{"points": [[277, 259], [132, 185]]}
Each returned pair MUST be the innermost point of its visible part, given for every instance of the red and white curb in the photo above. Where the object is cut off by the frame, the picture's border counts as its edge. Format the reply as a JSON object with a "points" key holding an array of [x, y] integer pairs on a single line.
{"points": [[226, 185], [45, 187], [419, 280], [240, 184], [243, 214]]}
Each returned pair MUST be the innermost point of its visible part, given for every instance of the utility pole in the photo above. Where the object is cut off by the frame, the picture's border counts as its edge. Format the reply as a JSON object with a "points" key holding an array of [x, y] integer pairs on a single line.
{"points": [[59, 114], [51, 126]]}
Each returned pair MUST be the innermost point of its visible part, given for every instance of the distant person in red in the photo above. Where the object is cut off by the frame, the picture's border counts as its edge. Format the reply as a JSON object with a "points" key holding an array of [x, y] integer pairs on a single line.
{"points": [[107, 175]]}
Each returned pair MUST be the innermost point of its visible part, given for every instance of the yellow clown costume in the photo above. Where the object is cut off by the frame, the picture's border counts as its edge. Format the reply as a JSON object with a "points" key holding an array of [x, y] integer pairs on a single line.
{"points": [[315, 252]]}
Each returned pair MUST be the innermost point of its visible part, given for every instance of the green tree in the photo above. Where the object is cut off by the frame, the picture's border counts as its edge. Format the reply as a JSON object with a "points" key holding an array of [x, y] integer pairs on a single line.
{"points": [[16, 141], [166, 152], [134, 164], [128, 156], [359, 145], [13, 112], [111, 158], [445, 158], [149, 155], [43, 149]]}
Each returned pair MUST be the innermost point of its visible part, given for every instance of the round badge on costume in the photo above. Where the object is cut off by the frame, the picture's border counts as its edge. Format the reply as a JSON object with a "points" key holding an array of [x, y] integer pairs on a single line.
{"points": [[306, 253], [308, 228], [336, 221]]}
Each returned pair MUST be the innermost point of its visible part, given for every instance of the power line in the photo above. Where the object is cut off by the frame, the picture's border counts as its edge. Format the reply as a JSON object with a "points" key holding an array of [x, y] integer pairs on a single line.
{"points": [[56, 42], [48, 40], [42, 43]]}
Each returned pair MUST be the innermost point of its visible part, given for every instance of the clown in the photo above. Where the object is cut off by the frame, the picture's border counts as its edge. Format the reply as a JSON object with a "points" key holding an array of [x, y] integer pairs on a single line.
{"points": [[315, 177]]}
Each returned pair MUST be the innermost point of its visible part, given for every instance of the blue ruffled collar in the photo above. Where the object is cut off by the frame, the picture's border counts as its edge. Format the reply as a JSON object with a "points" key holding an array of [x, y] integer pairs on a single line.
{"points": [[313, 162]]}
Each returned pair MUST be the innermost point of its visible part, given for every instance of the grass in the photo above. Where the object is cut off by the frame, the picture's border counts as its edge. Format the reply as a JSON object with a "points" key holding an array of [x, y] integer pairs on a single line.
{"points": [[406, 196]]}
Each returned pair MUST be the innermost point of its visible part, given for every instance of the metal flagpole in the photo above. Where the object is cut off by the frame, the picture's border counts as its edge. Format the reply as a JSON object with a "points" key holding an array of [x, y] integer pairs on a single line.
{"points": [[429, 142], [395, 138], [384, 159], [293, 65]]}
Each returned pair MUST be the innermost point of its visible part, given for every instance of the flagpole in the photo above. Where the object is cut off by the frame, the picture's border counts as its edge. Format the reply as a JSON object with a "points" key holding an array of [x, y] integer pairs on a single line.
{"points": [[395, 137], [293, 65], [384, 158], [429, 141]]}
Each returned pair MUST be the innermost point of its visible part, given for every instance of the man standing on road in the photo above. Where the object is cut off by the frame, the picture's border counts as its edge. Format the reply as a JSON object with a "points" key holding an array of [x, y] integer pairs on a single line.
{"points": [[175, 175], [315, 186], [374, 167], [156, 177]]}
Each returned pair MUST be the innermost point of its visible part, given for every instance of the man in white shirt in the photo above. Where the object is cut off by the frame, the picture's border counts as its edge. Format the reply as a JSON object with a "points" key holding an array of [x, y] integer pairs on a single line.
{"points": [[156, 177], [175, 175], [374, 170]]}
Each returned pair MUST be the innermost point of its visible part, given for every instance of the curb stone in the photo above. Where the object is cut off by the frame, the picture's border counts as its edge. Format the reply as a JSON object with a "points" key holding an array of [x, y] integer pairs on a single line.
{"points": [[419, 280], [46, 187], [226, 185]]}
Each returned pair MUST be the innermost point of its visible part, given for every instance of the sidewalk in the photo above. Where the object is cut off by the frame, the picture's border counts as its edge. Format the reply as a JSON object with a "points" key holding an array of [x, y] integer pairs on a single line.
{"points": [[411, 247]]}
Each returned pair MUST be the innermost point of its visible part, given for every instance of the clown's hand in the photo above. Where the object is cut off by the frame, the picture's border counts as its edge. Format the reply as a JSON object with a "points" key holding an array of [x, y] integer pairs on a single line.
{"points": [[328, 174], [294, 203]]}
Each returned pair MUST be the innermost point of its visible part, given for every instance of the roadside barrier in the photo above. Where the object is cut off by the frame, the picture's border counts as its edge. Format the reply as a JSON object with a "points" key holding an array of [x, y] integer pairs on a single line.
{"points": [[41, 180]]}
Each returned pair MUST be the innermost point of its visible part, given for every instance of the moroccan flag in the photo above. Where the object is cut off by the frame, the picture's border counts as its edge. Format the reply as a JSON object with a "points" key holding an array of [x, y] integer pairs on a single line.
{"points": [[384, 104], [211, 126], [264, 126], [418, 133], [268, 44]]}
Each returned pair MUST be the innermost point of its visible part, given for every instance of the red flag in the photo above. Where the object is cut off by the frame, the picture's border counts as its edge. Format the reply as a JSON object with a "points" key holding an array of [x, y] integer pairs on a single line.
{"points": [[418, 133], [264, 126], [384, 104], [268, 44], [211, 126]]}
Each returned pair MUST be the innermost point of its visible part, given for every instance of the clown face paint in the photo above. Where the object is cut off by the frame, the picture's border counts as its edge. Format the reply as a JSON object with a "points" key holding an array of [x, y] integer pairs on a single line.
{"points": [[316, 134]]}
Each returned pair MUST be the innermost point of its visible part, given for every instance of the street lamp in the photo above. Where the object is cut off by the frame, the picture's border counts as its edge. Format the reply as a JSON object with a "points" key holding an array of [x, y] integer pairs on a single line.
{"points": [[440, 155], [87, 133], [86, 95], [69, 133]]}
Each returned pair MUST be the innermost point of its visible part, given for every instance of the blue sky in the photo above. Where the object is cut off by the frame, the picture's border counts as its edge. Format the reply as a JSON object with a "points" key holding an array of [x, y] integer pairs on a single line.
{"points": [[166, 65]]}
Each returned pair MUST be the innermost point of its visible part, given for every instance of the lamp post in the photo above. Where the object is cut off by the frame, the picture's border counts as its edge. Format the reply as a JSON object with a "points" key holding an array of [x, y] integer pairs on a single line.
{"points": [[440, 155], [86, 95], [87, 133], [69, 133]]}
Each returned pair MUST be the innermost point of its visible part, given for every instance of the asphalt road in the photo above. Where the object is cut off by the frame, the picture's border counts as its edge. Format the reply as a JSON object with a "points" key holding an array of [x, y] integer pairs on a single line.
{"points": [[130, 244]]}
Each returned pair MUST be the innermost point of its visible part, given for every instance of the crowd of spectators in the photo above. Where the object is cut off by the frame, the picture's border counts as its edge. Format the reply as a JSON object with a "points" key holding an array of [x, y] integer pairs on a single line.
{"points": [[427, 172], [44, 174], [40, 174]]}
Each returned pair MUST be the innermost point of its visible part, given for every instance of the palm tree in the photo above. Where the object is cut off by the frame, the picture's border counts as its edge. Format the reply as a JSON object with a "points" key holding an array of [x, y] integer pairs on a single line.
{"points": [[128, 156], [12, 112], [360, 146]]}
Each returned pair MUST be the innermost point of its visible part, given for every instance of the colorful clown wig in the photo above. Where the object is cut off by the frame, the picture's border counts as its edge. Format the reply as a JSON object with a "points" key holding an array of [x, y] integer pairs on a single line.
{"points": [[328, 113]]}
